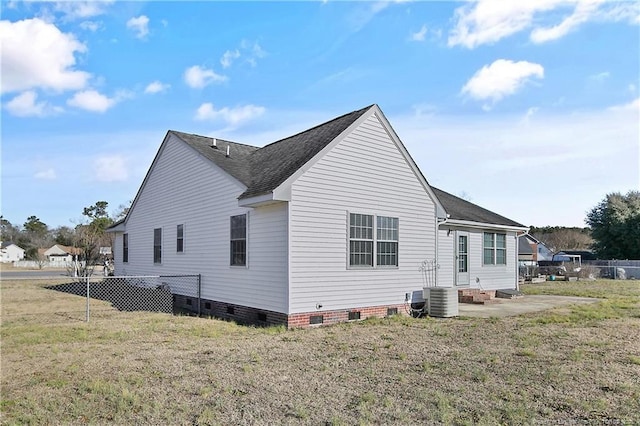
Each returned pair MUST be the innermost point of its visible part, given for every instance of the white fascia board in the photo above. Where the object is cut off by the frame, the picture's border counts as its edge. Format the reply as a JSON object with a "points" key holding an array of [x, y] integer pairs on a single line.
{"points": [[479, 225], [256, 201]]}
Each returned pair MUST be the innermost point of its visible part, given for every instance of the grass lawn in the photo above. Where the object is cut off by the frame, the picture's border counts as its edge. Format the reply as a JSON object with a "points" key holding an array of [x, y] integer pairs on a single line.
{"points": [[573, 365]]}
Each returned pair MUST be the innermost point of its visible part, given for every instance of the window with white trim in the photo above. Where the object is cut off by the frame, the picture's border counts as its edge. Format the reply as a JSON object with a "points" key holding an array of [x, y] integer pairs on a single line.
{"points": [[157, 245], [494, 249], [238, 250], [368, 243], [180, 239], [387, 241], [125, 248], [360, 239]]}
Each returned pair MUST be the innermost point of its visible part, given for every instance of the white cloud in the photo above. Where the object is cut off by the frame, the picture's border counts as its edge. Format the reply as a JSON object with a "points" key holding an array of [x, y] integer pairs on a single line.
{"points": [[583, 12], [231, 116], [36, 54], [47, 174], [600, 77], [228, 57], [156, 87], [92, 26], [82, 9], [420, 35], [198, 77], [91, 100], [502, 78], [140, 25], [26, 105], [251, 51], [488, 21], [110, 168], [634, 105]]}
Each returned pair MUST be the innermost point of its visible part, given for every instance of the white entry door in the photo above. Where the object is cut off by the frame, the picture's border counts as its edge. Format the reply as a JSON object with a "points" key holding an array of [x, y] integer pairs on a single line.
{"points": [[462, 258]]}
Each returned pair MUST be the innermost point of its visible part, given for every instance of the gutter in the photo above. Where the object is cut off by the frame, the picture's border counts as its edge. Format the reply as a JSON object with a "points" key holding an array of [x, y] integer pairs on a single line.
{"points": [[480, 225]]}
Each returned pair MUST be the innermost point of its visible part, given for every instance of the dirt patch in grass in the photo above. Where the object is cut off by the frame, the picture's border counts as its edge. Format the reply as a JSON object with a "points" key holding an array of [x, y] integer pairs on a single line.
{"points": [[560, 366]]}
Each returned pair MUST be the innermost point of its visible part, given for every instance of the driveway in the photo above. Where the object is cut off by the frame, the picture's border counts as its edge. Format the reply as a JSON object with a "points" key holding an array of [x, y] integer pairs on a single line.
{"points": [[526, 304]]}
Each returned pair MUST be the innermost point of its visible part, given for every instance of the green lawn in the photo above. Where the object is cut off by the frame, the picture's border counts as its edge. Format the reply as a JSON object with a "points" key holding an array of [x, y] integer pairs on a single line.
{"points": [[577, 364]]}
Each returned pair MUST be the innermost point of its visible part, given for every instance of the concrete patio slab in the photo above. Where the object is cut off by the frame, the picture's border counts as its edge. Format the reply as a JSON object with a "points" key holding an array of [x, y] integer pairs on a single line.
{"points": [[526, 304]]}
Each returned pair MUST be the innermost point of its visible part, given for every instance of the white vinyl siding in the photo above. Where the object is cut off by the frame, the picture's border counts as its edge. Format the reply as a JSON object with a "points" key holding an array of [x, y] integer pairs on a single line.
{"points": [[195, 193], [363, 173]]}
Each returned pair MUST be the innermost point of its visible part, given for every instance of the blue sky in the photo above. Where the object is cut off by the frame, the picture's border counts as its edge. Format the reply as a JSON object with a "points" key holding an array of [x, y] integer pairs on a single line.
{"points": [[530, 109]]}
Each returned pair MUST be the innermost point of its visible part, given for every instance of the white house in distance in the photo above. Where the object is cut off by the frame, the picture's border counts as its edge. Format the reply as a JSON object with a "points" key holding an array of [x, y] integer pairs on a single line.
{"points": [[328, 225], [11, 252], [59, 255]]}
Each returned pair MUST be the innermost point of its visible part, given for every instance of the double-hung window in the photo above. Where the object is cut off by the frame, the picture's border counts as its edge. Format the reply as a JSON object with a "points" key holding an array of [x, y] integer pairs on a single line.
{"points": [[360, 239], [387, 241], [238, 251], [180, 239], [368, 243], [157, 245], [125, 248], [494, 249]]}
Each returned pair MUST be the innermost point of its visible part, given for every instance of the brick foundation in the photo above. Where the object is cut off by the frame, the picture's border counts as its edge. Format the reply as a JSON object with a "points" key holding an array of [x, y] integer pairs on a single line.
{"points": [[261, 317], [342, 315]]}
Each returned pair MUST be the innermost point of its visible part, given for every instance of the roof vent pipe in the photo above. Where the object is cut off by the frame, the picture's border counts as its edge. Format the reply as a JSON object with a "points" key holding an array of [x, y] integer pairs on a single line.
{"points": [[227, 150], [214, 144]]}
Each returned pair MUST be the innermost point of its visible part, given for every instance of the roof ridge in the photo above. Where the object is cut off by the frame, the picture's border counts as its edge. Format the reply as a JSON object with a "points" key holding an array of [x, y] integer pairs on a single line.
{"points": [[318, 125], [177, 132]]}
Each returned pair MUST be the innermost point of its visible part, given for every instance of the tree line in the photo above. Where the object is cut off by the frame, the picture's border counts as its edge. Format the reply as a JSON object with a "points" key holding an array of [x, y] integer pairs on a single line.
{"points": [[88, 235]]}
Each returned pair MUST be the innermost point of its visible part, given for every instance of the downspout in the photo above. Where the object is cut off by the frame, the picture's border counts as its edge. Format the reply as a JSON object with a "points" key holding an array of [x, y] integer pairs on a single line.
{"points": [[439, 221]]}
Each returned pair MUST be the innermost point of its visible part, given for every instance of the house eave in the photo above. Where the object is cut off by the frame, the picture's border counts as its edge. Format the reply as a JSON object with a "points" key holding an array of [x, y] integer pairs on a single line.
{"points": [[116, 228], [480, 225], [259, 200]]}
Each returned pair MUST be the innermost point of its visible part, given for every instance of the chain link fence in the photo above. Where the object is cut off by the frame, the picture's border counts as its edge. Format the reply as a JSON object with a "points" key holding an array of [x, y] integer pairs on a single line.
{"points": [[590, 269], [613, 269], [171, 294]]}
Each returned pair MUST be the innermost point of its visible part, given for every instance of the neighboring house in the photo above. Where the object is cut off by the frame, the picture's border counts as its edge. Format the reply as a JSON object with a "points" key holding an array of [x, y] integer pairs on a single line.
{"points": [[11, 252], [327, 225], [540, 250], [61, 255], [526, 253]]}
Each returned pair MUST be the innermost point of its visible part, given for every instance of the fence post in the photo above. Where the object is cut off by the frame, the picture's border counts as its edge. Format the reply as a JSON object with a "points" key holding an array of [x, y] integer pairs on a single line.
{"points": [[87, 315], [199, 292]]}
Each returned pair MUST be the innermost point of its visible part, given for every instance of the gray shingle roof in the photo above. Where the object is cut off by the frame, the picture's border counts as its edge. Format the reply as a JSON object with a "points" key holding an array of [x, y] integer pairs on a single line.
{"points": [[523, 245], [263, 169], [460, 209], [236, 164]]}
